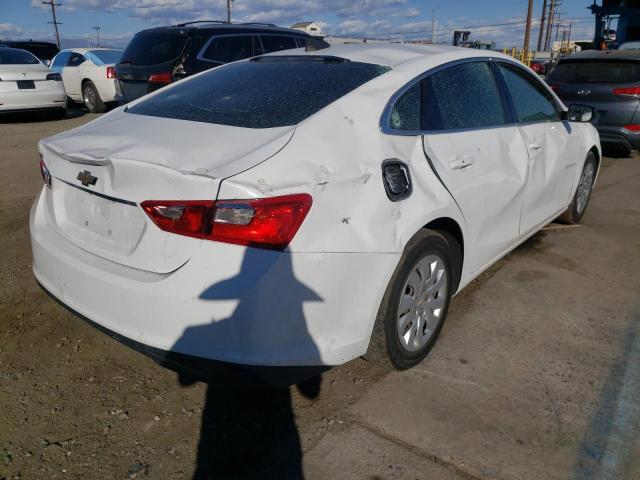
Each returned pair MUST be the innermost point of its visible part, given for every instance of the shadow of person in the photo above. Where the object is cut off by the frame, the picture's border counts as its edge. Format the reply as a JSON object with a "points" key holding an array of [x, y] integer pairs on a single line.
{"points": [[248, 428]]}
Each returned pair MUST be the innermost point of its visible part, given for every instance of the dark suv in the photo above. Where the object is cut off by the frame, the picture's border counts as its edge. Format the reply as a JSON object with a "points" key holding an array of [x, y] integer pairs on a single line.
{"points": [[159, 56], [609, 81]]}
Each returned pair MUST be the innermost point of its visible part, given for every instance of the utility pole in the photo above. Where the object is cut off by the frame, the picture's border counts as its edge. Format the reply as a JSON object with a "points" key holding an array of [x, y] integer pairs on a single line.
{"points": [[549, 24], [542, 19], [527, 30], [569, 37], [229, 11], [97, 29], [434, 24], [55, 22]]}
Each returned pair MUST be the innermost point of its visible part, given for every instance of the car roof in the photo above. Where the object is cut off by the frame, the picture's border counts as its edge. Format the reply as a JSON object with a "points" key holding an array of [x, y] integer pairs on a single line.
{"points": [[221, 26], [84, 49], [603, 54], [392, 54]]}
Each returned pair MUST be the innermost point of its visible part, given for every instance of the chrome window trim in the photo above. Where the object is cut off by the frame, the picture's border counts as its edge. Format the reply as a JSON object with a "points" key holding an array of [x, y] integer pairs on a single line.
{"points": [[200, 56], [386, 113]]}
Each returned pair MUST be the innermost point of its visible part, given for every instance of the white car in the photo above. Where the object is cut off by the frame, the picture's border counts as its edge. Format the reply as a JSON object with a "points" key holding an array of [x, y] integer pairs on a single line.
{"points": [[306, 208], [27, 84], [89, 75]]}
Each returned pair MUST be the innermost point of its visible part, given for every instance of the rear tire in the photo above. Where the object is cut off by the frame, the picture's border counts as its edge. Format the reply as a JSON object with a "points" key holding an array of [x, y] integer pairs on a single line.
{"points": [[578, 205], [91, 98], [415, 304]]}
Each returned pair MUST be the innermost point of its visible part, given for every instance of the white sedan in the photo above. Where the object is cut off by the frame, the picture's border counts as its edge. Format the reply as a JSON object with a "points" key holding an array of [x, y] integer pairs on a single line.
{"points": [[307, 207], [27, 84], [89, 75]]}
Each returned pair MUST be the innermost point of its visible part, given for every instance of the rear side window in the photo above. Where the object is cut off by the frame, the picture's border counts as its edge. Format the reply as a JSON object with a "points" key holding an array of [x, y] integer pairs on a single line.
{"points": [[458, 97], [265, 93], [596, 71], [229, 48], [531, 101], [13, 56], [152, 47], [75, 60], [275, 43]]}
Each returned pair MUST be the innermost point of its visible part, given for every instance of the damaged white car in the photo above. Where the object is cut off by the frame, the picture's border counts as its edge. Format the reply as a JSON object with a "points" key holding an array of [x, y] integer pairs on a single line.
{"points": [[306, 207]]}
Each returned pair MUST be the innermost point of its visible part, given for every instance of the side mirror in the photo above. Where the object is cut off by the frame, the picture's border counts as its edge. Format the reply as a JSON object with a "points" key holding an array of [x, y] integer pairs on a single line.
{"points": [[580, 113]]}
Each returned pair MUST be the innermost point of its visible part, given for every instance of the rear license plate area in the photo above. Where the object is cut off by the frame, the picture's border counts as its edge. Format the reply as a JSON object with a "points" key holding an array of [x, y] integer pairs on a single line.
{"points": [[26, 84]]}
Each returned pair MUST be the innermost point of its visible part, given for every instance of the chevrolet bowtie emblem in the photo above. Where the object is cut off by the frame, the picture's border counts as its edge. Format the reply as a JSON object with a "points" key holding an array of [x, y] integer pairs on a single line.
{"points": [[86, 178]]}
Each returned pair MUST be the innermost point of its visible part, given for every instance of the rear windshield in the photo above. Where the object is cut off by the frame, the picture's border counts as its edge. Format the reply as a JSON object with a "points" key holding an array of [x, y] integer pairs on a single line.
{"points": [[596, 71], [104, 57], [264, 93], [152, 47], [43, 51], [13, 56]]}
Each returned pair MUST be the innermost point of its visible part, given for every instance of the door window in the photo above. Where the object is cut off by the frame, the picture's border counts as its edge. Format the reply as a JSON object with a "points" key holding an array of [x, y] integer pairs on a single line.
{"points": [[75, 60], [531, 100], [275, 43], [229, 48], [464, 96]]}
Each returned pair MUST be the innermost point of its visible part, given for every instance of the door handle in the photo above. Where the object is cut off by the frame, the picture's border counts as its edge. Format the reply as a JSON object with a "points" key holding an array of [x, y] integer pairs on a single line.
{"points": [[461, 161], [535, 145]]}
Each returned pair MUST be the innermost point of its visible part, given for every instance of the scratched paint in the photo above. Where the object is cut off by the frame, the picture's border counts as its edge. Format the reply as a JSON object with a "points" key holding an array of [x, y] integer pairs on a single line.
{"points": [[605, 451]]}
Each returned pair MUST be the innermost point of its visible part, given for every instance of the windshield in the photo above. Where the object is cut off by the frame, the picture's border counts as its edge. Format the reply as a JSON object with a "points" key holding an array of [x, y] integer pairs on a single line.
{"points": [[264, 93], [596, 71], [152, 47], [104, 57], [13, 56], [44, 51]]}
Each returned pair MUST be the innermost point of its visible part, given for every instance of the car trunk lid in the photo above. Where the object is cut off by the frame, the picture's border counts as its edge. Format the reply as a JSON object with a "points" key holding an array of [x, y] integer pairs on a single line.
{"points": [[101, 173]]}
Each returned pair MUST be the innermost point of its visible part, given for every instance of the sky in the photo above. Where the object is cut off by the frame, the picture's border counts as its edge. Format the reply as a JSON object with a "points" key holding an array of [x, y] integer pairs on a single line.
{"points": [[501, 21]]}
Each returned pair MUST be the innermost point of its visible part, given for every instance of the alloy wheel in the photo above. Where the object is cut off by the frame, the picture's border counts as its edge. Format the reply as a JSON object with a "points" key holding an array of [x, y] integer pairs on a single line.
{"points": [[422, 302]]}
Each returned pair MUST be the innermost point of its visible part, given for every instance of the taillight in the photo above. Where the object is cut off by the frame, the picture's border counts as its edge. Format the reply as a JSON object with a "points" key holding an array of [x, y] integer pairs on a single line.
{"points": [[627, 91], [632, 128], [111, 72], [265, 222], [46, 175], [164, 77]]}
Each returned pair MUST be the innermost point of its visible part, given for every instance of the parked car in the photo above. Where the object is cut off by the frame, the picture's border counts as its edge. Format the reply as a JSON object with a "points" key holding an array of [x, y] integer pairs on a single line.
{"points": [[307, 207], [539, 66], [609, 81], [27, 84], [159, 56], [89, 75], [635, 45], [45, 51]]}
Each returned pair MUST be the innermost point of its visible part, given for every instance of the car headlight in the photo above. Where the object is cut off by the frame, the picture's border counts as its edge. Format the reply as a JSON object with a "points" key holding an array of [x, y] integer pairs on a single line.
{"points": [[54, 76]]}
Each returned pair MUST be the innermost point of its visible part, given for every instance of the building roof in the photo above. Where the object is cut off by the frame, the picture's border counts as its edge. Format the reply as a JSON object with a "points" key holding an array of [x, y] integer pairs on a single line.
{"points": [[301, 24]]}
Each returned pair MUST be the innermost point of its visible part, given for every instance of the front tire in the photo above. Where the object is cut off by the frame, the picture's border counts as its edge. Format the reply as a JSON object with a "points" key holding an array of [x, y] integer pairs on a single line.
{"points": [[578, 205], [415, 304], [91, 98]]}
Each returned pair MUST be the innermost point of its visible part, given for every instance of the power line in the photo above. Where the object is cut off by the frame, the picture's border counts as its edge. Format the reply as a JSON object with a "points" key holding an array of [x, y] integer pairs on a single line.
{"points": [[55, 22]]}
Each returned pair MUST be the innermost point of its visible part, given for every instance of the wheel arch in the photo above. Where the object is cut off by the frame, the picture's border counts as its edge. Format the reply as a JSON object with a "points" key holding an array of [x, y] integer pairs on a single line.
{"points": [[450, 226]]}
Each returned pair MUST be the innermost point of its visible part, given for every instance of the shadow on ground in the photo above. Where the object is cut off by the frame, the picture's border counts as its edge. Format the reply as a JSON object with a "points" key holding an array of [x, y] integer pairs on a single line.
{"points": [[248, 428]]}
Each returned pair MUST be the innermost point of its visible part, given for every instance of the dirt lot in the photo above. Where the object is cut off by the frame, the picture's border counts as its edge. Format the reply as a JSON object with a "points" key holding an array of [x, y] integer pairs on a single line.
{"points": [[536, 375]]}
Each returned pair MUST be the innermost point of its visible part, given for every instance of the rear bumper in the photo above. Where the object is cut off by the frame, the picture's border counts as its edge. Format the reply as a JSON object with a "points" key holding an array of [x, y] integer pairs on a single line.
{"points": [[32, 99], [107, 90], [227, 303], [615, 136]]}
